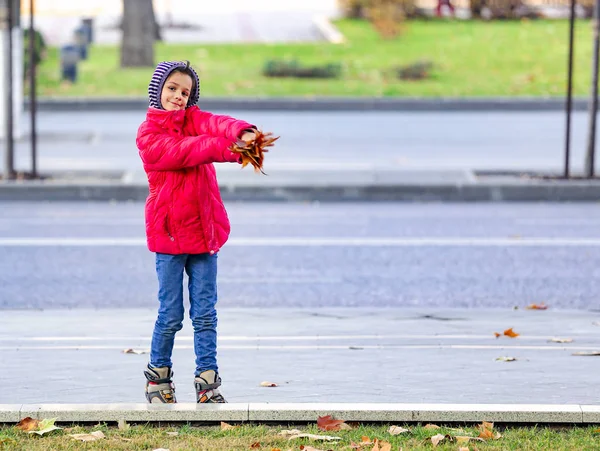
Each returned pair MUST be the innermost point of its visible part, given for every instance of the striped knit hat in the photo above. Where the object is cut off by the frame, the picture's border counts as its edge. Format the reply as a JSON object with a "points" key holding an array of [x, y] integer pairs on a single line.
{"points": [[162, 72]]}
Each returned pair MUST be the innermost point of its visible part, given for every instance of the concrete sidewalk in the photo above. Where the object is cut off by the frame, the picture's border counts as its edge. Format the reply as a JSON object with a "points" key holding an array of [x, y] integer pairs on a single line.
{"points": [[320, 185], [361, 364]]}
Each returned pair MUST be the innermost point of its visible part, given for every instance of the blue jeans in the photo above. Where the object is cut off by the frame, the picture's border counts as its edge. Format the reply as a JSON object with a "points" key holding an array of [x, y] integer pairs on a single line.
{"points": [[202, 273]]}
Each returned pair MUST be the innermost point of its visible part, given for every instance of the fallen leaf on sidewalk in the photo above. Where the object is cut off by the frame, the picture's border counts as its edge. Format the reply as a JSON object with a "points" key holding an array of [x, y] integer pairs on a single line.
{"points": [[327, 423], [586, 353], [540, 306], [268, 384], [511, 333], [136, 351], [96, 435], [227, 426], [560, 340], [395, 430], [506, 359], [497, 335]]}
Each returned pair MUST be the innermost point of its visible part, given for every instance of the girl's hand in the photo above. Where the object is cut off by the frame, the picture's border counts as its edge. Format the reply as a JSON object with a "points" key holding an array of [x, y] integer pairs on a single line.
{"points": [[248, 136]]}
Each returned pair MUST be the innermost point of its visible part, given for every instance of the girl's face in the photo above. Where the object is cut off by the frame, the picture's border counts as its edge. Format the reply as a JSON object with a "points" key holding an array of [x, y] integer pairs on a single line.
{"points": [[176, 91]]}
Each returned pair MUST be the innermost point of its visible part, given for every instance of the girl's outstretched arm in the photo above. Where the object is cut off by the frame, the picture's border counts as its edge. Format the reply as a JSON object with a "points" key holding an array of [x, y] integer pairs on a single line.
{"points": [[222, 126], [162, 152]]}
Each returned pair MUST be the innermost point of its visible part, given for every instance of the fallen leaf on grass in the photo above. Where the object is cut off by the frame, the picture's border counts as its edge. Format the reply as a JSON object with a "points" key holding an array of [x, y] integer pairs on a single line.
{"points": [[161, 449], [436, 439], [327, 423], [560, 340], [381, 446], [96, 435], [255, 445], [173, 434], [395, 430], [540, 306], [463, 448], [486, 431], [431, 426], [135, 351], [123, 426], [227, 426], [511, 333], [586, 353], [463, 440], [506, 359], [324, 438], [309, 448], [28, 424], [38, 427]]}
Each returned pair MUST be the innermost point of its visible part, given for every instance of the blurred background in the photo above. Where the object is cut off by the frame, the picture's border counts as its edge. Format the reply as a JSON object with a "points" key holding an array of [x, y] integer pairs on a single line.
{"points": [[510, 59]]}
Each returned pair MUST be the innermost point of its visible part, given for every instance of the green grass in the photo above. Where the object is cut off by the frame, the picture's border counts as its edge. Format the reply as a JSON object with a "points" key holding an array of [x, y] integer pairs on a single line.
{"points": [[213, 438], [525, 58]]}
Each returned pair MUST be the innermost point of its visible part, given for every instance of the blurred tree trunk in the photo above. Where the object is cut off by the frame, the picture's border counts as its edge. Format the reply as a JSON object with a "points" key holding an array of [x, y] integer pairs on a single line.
{"points": [[139, 32], [157, 32]]}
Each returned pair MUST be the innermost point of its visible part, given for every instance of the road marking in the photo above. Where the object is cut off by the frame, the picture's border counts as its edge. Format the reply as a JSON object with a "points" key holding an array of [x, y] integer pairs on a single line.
{"points": [[316, 242], [356, 346], [241, 338]]}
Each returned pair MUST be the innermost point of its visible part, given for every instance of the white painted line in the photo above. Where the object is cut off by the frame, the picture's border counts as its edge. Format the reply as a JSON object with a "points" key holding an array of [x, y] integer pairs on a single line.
{"points": [[317, 242], [260, 347], [257, 338]]}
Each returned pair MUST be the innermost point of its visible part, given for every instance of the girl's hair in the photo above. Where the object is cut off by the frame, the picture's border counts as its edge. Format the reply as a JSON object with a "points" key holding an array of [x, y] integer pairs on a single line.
{"points": [[188, 71]]}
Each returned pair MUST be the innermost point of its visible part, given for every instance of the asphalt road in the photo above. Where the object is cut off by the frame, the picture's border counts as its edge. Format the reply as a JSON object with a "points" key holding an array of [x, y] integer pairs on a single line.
{"points": [[526, 141], [93, 255]]}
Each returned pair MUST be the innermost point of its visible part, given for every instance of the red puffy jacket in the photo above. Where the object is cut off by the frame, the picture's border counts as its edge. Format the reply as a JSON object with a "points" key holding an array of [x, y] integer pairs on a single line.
{"points": [[184, 210]]}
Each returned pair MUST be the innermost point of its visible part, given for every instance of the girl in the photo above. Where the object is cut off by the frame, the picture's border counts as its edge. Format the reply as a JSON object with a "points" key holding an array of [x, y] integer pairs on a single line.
{"points": [[186, 221]]}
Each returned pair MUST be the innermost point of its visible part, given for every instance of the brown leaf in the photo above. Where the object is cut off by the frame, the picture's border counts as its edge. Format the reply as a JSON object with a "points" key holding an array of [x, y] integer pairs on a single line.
{"points": [[510, 333], [486, 430], [431, 426], [327, 423], [346, 427], [28, 424], [309, 448], [540, 306], [395, 430], [255, 445], [560, 340], [96, 435], [268, 384], [586, 353], [136, 351], [497, 335], [227, 426], [436, 439]]}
